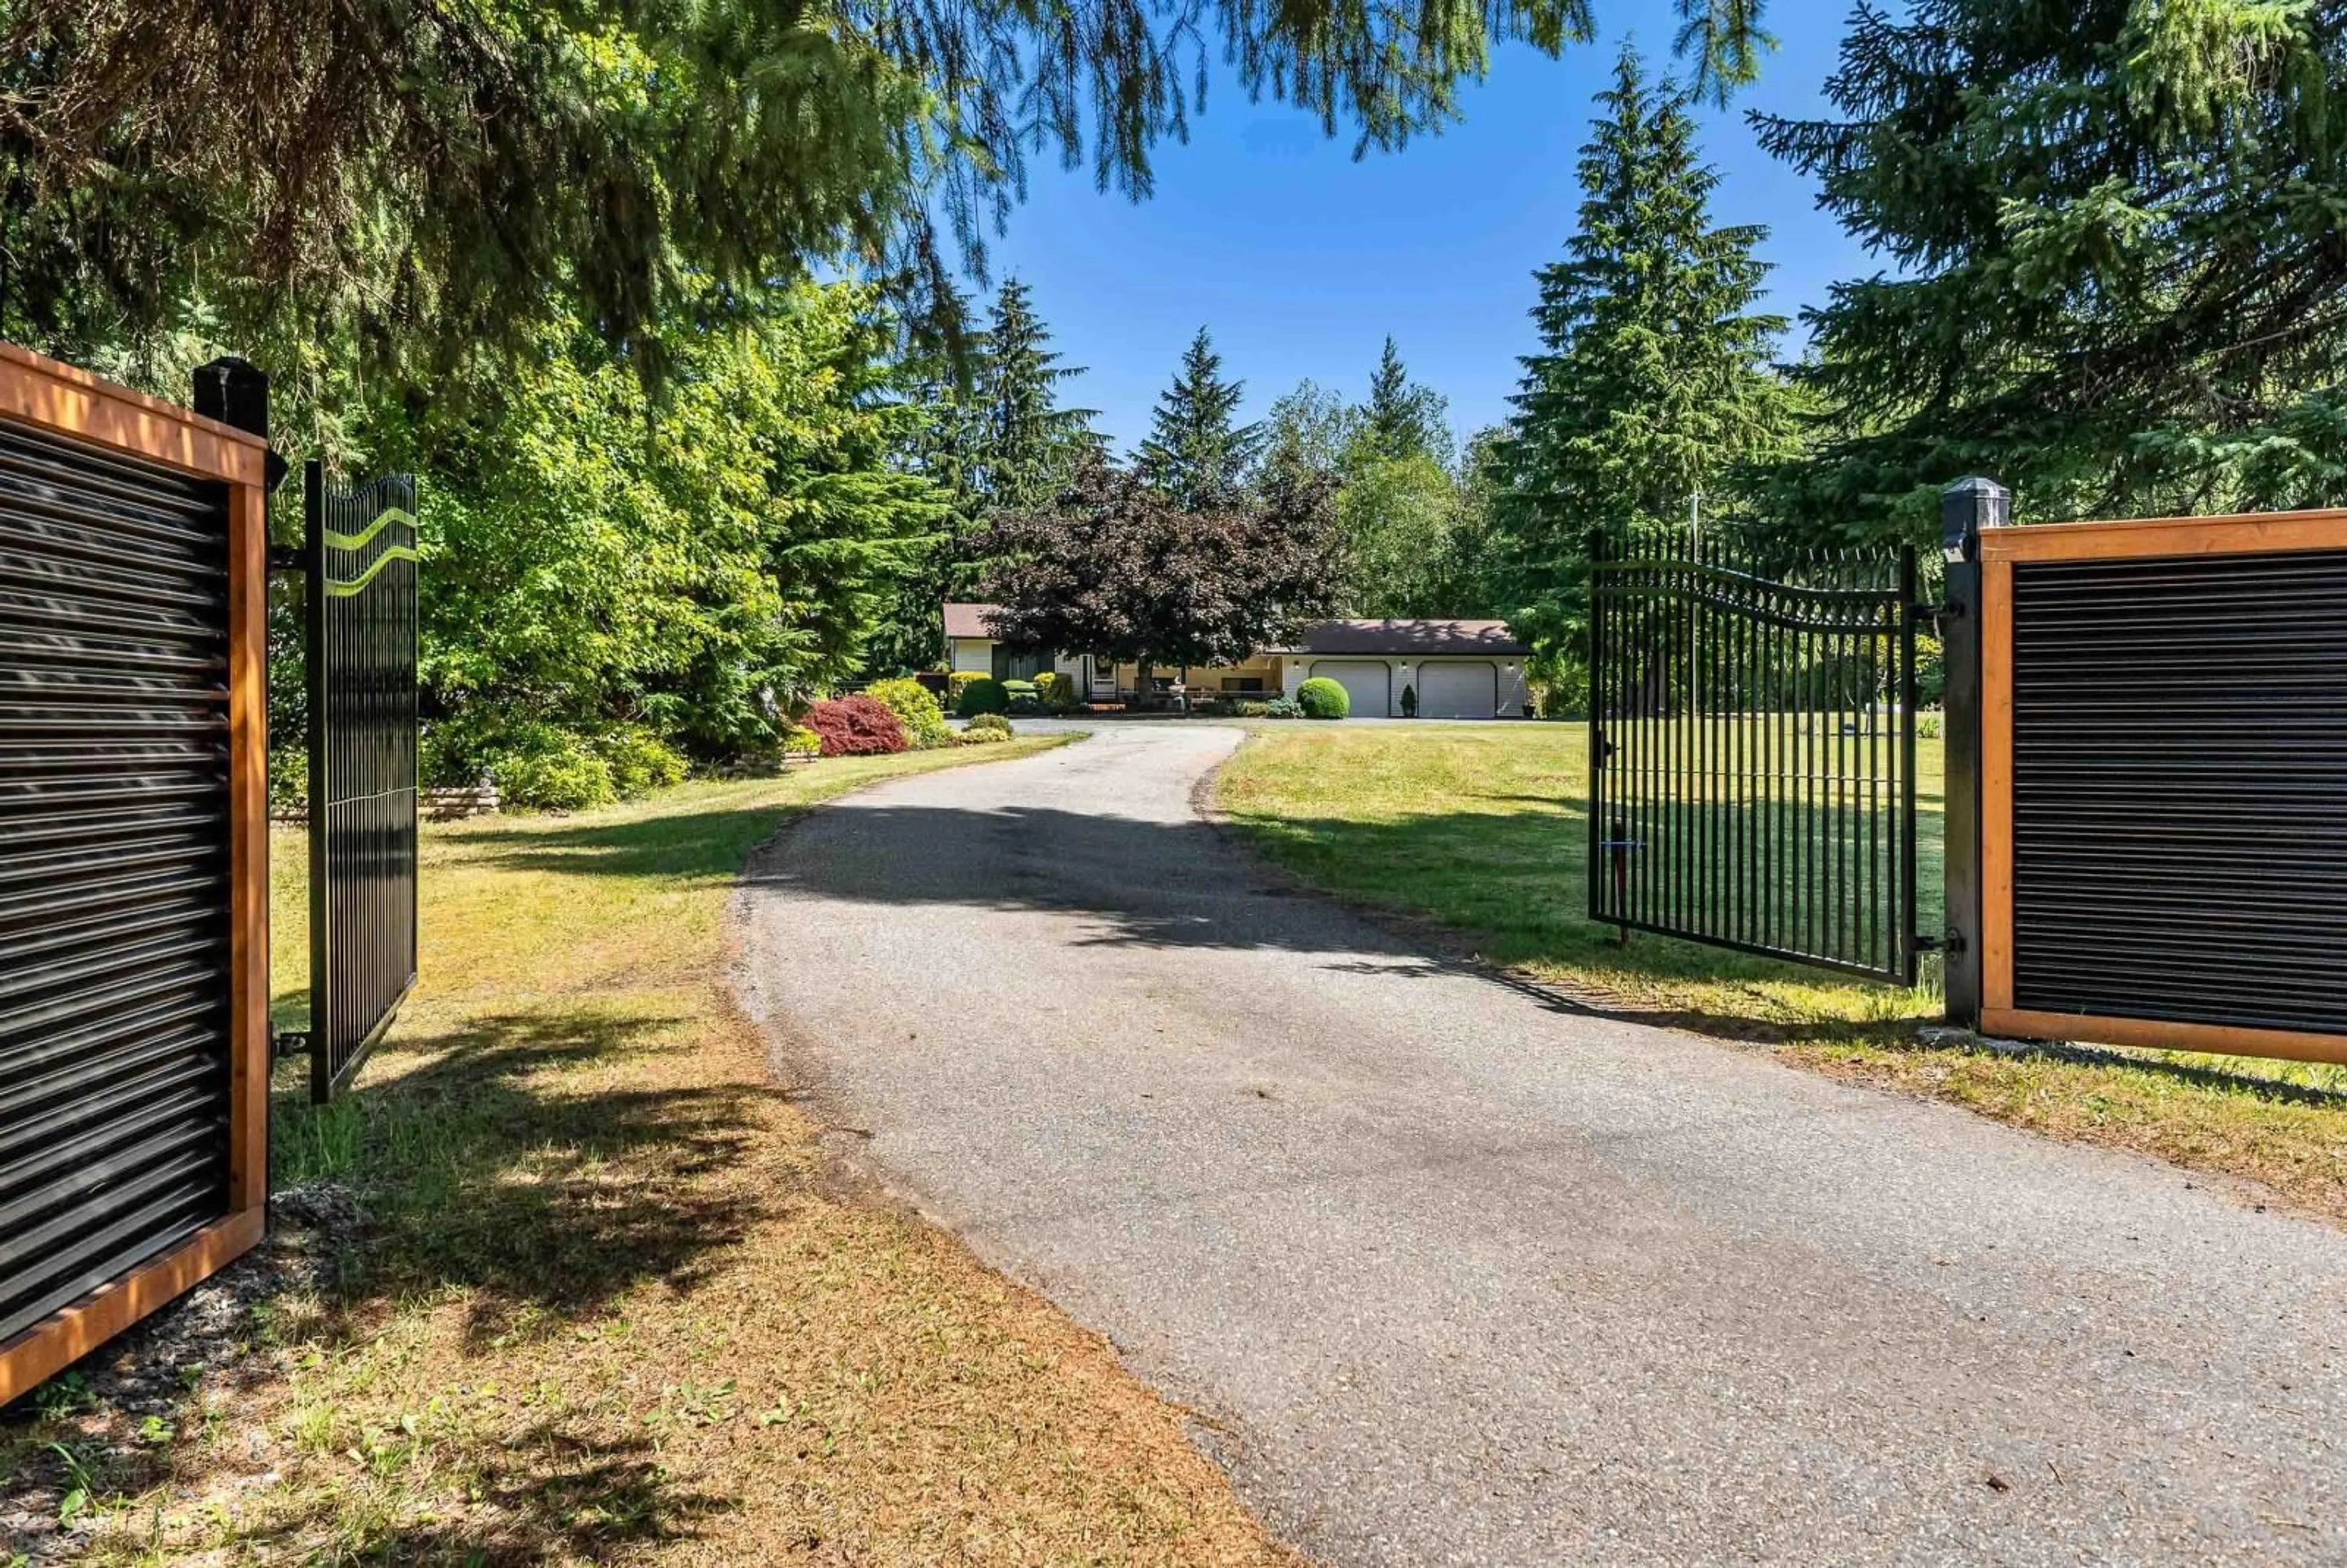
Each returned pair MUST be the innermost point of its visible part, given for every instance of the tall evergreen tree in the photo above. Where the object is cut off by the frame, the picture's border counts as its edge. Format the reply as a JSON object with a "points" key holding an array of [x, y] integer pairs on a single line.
{"points": [[1405, 419], [1197, 452], [1653, 380], [1026, 446], [2120, 280], [1006, 445]]}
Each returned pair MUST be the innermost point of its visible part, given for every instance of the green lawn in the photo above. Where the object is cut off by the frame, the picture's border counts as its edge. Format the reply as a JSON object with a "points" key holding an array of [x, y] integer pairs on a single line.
{"points": [[1485, 827], [1482, 830], [609, 1306]]}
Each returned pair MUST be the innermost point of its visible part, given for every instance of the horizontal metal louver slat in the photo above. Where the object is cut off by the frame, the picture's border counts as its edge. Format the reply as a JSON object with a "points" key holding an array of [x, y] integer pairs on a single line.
{"points": [[2179, 790], [178, 1213], [93, 893], [114, 891]]}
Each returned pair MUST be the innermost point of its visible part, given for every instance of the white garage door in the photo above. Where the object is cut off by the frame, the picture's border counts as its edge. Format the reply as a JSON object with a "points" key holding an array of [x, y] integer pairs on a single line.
{"points": [[1370, 686], [1465, 690]]}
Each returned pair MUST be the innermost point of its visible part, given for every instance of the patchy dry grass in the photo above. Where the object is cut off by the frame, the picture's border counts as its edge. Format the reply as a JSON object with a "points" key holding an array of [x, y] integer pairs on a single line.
{"points": [[609, 1310], [1483, 830]]}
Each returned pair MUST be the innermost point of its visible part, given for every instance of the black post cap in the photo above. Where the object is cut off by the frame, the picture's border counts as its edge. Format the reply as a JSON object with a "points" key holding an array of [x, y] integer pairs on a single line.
{"points": [[1967, 506], [236, 391]]}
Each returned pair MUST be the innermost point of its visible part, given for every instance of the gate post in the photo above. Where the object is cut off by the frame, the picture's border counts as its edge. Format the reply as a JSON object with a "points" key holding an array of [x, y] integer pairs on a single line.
{"points": [[1967, 508]]}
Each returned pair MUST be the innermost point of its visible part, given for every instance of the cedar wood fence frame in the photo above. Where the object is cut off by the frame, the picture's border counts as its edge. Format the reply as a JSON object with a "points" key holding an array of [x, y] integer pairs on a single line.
{"points": [[62, 401], [1981, 553]]}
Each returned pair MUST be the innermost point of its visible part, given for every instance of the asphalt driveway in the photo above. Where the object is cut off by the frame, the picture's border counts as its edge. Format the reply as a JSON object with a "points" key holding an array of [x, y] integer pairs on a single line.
{"points": [[1453, 1275]]}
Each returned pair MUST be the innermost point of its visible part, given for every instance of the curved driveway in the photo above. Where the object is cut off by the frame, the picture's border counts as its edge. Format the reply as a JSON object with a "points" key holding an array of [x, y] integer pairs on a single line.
{"points": [[1451, 1275]]}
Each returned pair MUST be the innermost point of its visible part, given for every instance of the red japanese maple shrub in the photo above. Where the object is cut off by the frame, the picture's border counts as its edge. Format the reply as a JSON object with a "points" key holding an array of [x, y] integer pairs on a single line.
{"points": [[857, 726]]}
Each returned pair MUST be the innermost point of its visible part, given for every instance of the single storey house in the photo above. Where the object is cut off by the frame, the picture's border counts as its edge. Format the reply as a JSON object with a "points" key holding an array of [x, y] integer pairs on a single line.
{"points": [[1459, 668]]}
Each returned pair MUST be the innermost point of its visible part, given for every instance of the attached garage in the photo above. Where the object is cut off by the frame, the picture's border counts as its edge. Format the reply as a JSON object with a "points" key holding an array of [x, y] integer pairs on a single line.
{"points": [[1467, 689], [1368, 682]]}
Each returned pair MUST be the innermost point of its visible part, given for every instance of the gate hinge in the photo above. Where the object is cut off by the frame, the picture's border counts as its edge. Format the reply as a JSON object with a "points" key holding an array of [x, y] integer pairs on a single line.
{"points": [[291, 1042], [1928, 944], [1952, 611]]}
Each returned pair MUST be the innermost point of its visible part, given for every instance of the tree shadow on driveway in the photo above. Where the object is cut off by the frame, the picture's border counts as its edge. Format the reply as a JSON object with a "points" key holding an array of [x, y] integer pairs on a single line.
{"points": [[1509, 884]]}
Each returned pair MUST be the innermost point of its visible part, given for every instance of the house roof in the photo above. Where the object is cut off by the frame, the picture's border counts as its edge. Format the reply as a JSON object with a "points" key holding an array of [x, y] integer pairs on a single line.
{"points": [[1417, 638], [1327, 637], [968, 619]]}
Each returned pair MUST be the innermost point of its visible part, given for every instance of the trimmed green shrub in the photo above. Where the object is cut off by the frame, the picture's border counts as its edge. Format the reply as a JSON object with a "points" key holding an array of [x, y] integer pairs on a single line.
{"points": [[798, 741], [959, 681], [1251, 710], [1282, 708], [916, 707], [1321, 698], [554, 778], [984, 694], [1055, 690], [539, 765], [1023, 696], [857, 726], [977, 737], [994, 721], [639, 761]]}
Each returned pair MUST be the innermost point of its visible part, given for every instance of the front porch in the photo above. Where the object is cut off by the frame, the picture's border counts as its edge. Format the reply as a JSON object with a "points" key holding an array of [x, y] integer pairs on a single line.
{"points": [[1253, 679]]}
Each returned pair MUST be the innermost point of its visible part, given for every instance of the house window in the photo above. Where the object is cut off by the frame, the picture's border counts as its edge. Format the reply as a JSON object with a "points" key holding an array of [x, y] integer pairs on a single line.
{"points": [[1241, 683], [1020, 663]]}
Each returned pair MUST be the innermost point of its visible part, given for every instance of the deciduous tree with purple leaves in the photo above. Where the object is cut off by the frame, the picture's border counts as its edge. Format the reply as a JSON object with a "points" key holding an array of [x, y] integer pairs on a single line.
{"points": [[1116, 568]]}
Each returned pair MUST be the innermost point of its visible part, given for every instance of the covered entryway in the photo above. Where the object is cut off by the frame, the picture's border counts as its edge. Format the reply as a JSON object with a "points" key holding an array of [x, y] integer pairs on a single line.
{"points": [[1369, 683], [1467, 690]]}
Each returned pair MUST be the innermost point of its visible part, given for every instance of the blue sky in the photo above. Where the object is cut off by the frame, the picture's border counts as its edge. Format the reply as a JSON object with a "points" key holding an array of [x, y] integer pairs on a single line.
{"points": [[1301, 260]]}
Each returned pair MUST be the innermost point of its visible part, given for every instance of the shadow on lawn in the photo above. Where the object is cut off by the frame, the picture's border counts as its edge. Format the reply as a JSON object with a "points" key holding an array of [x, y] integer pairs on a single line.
{"points": [[695, 848], [554, 1494], [560, 1494], [486, 1169]]}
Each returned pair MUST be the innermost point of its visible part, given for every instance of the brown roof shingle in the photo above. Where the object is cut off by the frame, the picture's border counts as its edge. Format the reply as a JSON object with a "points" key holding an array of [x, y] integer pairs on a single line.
{"points": [[968, 619], [1417, 638], [1396, 638]]}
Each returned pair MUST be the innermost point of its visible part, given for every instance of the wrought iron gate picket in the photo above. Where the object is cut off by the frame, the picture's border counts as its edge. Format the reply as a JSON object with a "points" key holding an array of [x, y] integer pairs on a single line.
{"points": [[1752, 756], [361, 606]]}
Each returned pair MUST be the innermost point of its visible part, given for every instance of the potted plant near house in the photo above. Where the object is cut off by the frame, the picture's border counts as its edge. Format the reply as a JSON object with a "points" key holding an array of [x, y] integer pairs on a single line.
{"points": [[1408, 700]]}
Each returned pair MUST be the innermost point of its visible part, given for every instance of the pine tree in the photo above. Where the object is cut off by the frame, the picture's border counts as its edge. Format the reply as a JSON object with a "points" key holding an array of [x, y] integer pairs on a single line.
{"points": [[1026, 445], [1653, 380], [2117, 282], [1197, 453], [1006, 445], [1405, 419]]}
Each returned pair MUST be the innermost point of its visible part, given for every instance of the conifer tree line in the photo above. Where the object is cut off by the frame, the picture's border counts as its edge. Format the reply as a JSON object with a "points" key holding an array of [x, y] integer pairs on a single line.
{"points": [[712, 422], [2111, 279]]}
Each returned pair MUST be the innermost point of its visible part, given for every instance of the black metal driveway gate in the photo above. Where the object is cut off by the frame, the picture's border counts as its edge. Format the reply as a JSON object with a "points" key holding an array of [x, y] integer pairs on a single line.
{"points": [[1752, 756], [361, 561]]}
